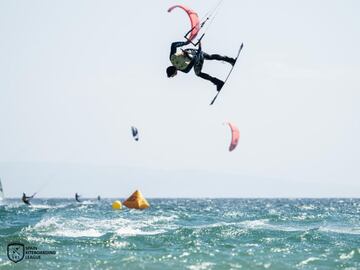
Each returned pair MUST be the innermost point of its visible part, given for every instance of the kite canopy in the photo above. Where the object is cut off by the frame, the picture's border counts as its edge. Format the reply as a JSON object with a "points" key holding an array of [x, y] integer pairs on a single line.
{"points": [[194, 20], [135, 133], [235, 135]]}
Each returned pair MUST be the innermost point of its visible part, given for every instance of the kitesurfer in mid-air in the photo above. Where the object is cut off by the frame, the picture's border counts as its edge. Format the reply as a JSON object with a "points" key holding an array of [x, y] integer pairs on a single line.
{"points": [[26, 199], [185, 59], [77, 197]]}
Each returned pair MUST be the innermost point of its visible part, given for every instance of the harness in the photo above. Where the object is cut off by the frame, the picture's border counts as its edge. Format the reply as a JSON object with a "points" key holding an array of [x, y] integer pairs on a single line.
{"points": [[180, 60]]}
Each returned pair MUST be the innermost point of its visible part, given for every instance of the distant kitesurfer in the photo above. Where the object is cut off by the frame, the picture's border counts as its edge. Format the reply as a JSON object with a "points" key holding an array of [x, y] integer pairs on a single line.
{"points": [[26, 199], [98, 198], [185, 59], [77, 197]]}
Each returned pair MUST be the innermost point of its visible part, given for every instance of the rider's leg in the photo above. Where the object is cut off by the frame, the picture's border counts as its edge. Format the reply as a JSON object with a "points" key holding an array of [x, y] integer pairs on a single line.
{"points": [[219, 58], [219, 83], [198, 71]]}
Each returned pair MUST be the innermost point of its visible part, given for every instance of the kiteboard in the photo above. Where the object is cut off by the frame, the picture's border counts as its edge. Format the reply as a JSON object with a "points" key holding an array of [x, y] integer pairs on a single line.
{"points": [[227, 77]]}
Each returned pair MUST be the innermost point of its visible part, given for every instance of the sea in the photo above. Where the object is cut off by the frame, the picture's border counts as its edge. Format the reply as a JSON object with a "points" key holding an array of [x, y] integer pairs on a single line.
{"points": [[194, 234]]}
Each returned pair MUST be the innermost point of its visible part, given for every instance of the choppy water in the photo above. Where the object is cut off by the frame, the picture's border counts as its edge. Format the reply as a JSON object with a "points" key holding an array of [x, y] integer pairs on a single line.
{"points": [[186, 234]]}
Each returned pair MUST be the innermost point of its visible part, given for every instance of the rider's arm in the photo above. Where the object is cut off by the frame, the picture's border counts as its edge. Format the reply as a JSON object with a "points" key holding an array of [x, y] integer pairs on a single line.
{"points": [[176, 45]]}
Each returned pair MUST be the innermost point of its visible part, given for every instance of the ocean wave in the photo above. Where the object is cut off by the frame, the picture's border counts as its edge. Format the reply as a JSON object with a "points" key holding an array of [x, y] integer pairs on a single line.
{"points": [[258, 224], [307, 261], [201, 266], [307, 207], [89, 227], [5, 263], [78, 233], [237, 235], [214, 225], [47, 223], [239, 266], [55, 226], [118, 244], [347, 256], [285, 250], [88, 202], [341, 230], [42, 206], [131, 231], [158, 219], [263, 224], [41, 240], [14, 205]]}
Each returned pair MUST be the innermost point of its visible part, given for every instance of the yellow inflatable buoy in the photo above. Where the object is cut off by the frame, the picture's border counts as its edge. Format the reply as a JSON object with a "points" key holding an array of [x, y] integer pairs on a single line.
{"points": [[116, 205], [137, 201]]}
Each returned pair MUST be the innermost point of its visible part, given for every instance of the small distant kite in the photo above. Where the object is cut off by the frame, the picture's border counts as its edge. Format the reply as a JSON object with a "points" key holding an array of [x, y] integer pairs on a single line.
{"points": [[135, 133], [235, 135]]}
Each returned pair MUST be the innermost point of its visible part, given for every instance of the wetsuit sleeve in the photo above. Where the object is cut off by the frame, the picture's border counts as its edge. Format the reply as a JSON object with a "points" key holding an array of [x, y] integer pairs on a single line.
{"points": [[176, 45]]}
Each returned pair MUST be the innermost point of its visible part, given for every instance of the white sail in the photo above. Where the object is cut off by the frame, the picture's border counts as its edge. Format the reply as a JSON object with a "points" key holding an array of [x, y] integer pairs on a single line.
{"points": [[1, 191]]}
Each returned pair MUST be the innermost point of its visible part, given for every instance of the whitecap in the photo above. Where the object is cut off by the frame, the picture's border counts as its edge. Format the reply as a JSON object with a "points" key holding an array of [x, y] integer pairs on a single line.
{"points": [[41, 240], [47, 223], [308, 260], [8, 262], [42, 206], [55, 226], [201, 266], [273, 212], [348, 256], [341, 230], [281, 250], [263, 224], [235, 266], [267, 265], [233, 214], [77, 233], [129, 231], [307, 207], [259, 223], [88, 202], [213, 225], [159, 219], [184, 254], [117, 244]]}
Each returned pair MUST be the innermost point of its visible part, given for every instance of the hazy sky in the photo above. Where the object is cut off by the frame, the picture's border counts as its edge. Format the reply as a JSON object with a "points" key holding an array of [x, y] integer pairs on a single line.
{"points": [[75, 75]]}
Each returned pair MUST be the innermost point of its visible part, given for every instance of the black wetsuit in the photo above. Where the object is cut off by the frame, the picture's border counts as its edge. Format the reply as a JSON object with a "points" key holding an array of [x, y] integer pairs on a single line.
{"points": [[196, 58], [77, 196], [26, 199]]}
